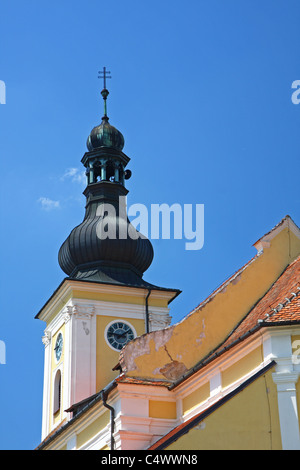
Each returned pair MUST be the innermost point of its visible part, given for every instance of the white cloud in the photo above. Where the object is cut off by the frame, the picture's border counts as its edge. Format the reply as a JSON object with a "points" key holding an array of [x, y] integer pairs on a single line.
{"points": [[48, 204], [75, 175]]}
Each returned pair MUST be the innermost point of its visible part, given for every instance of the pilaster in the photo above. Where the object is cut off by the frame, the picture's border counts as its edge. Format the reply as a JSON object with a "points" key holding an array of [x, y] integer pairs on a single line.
{"points": [[287, 405]]}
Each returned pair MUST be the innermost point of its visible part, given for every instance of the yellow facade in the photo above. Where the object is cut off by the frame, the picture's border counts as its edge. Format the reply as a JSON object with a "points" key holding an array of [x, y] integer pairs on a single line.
{"points": [[162, 409], [92, 429], [242, 367], [248, 421], [196, 398], [121, 298]]}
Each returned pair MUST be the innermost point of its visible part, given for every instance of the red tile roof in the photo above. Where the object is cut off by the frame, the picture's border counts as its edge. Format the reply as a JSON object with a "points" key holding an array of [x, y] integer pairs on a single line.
{"points": [[280, 304], [142, 381]]}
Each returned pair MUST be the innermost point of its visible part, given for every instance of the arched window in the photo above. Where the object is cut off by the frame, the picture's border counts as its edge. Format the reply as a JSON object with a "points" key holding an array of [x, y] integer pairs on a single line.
{"points": [[57, 392]]}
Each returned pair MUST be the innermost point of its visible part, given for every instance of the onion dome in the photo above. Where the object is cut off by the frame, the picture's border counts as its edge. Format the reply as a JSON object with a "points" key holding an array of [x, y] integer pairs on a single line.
{"points": [[105, 135]]}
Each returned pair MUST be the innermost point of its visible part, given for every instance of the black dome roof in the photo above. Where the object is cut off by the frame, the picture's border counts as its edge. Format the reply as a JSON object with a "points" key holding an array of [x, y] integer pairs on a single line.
{"points": [[83, 248], [86, 249], [105, 135]]}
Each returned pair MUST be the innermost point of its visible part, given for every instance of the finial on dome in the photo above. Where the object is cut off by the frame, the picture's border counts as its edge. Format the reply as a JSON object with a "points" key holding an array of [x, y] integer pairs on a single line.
{"points": [[105, 135], [104, 74]]}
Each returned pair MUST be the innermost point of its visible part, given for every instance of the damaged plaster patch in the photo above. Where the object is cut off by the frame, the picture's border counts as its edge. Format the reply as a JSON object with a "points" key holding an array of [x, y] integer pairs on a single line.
{"points": [[236, 279], [141, 346], [202, 334], [173, 370], [134, 349], [161, 337]]}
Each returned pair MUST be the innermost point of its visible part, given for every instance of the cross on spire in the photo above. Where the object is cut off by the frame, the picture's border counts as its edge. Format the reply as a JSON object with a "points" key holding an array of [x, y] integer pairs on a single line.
{"points": [[104, 74]]}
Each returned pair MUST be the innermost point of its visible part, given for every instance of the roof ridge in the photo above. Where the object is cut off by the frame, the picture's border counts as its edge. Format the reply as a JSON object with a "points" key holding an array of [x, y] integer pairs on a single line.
{"points": [[281, 305], [287, 299], [223, 284]]}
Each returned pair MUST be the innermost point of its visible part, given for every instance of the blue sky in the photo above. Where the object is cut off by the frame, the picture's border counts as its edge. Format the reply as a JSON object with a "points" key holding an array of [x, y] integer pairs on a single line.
{"points": [[201, 91]]}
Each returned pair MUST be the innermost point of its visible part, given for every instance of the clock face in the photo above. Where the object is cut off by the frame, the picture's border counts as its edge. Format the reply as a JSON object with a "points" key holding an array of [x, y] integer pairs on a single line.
{"points": [[118, 334], [58, 347]]}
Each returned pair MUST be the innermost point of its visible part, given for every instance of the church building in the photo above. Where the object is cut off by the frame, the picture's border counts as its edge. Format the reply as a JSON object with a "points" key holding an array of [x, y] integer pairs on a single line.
{"points": [[119, 376]]}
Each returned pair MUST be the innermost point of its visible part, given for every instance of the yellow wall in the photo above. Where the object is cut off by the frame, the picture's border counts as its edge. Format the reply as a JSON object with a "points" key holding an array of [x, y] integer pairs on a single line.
{"points": [[162, 409], [203, 330], [242, 367], [229, 376], [247, 421], [195, 398], [118, 297], [93, 429]]}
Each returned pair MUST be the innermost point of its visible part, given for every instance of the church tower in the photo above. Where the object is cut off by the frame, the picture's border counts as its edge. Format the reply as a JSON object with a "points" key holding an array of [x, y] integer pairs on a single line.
{"points": [[103, 302]]}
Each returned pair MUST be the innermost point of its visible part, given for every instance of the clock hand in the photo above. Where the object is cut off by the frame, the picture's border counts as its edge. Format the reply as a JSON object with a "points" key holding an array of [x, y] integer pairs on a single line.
{"points": [[119, 335]]}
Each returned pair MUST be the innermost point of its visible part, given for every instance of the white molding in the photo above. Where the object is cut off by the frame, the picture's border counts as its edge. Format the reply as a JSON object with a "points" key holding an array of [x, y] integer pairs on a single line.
{"points": [[130, 440], [288, 411], [215, 383], [278, 346], [46, 391], [67, 365], [122, 309], [46, 339], [67, 287]]}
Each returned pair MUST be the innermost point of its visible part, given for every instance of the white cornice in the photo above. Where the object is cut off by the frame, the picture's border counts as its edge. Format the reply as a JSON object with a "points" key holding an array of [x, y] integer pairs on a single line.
{"points": [[120, 290], [59, 297]]}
